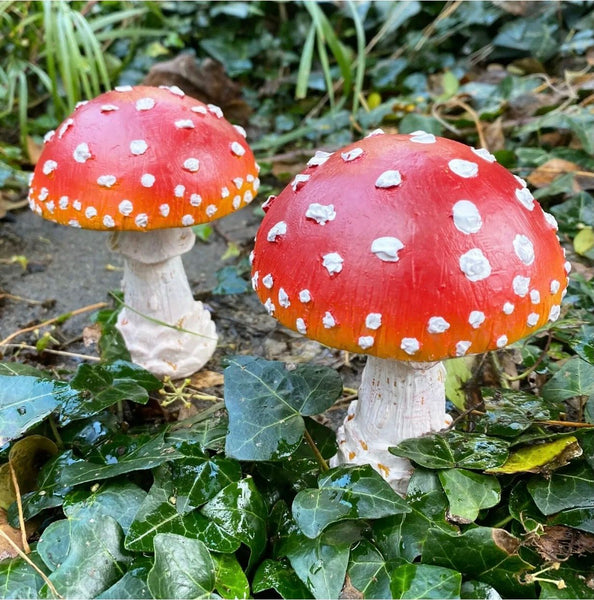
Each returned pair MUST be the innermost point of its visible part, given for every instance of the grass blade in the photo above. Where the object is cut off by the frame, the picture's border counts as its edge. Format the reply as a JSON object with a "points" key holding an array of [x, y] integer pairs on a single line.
{"points": [[305, 64]]}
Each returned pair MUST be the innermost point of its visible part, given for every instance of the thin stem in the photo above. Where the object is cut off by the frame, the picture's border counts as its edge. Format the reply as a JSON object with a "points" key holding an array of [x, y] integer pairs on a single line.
{"points": [[317, 454], [17, 491], [201, 416]]}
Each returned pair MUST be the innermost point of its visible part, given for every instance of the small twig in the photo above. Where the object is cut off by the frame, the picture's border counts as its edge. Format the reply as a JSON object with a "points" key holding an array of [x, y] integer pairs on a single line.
{"points": [[474, 116], [17, 492], [60, 318], [22, 555], [51, 351], [19, 298], [318, 455], [532, 368]]}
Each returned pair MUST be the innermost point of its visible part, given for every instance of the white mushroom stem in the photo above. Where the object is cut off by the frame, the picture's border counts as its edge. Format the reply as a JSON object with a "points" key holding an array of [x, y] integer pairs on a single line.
{"points": [[397, 400], [166, 331]]}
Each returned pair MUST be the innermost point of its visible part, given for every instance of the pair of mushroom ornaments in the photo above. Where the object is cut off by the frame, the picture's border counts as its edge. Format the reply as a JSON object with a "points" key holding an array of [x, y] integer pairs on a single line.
{"points": [[408, 248]]}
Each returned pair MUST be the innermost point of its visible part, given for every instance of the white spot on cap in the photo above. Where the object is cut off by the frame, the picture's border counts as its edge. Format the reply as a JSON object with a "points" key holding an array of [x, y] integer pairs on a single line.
{"points": [[138, 147], [350, 155], [211, 209], [64, 127], [237, 149], [192, 164], [267, 281], [269, 306], [49, 166], [50, 206], [474, 265], [248, 196], [225, 192], [422, 137], [532, 319], [123, 88], [187, 220], [255, 278], [332, 262], [319, 158], [283, 298], [147, 180], [375, 132], [410, 345], [109, 108], [305, 296], [365, 341], [463, 168], [552, 222], [567, 267], [174, 90], [49, 135], [238, 181], [125, 207], [467, 218], [215, 110], [141, 220], [184, 124], [106, 180], [386, 248], [145, 103], [195, 199], [476, 318], [179, 191], [554, 313], [73, 223], [525, 198], [76, 204], [251, 256], [328, 320], [508, 308], [462, 347], [535, 296], [321, 213], [236, 203], [298, 181], [555, 286], [43, 194], [484, 154], [521, 181], [437, 325], [388, 179], [240, 130], [373, 320], [501, 341], [63, 202], [201, 110], [90, 212], [108, 221], [524, 249], [521, 285], [300, 325], [81, 153], [164, 210], [279, 229]]}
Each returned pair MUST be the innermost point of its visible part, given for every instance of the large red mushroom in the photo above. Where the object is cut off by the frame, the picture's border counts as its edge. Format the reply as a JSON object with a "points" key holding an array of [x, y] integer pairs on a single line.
{"points": [[146, 163], [411, 249]]}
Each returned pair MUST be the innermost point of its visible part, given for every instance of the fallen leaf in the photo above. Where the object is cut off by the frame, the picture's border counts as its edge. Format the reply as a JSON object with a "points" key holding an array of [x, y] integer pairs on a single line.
{"points": [[206, 379], [91, 335], [560, 543], [494, 135], [7, 550], [205, 81], [33, 150], [546, 173]]}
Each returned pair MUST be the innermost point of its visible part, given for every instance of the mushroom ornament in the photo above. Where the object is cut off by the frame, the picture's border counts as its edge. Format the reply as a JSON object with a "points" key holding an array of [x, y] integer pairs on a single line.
{"points": [[146, 163], [411, 249]]}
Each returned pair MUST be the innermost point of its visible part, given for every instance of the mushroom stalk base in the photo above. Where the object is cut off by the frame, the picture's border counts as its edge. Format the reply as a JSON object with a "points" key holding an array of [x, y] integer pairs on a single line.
{"points": [[397, 400], [166, 331]]}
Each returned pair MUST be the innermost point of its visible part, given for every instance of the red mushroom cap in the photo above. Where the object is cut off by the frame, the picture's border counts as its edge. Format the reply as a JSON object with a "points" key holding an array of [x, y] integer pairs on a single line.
{"points": [[411, 247], [140, 158]]}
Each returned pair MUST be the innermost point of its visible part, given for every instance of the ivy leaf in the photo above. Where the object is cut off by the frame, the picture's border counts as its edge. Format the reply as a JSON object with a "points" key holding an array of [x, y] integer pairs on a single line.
{"points": [[578, 518], [239, 511], [279, 576], [93, 558], [487, 554], [477, 589], [230, 580], [26, 400], [568, 488], [21, 580], [132, 586], [347, 492], [565, 582], [574, 378], [468, 493], [425, 581], [266, 403], [454, 450], [368, 571], [183, 568]]}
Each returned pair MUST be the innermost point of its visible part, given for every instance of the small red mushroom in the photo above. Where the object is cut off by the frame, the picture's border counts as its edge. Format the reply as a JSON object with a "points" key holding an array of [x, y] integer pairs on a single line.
{"points": [[411, 249], [146, 163]]}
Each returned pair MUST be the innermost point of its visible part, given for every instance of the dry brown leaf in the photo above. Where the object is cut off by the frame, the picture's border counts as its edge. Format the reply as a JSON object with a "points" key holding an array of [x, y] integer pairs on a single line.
{"points": [[560, 543], [206, 379], [205, 81], [7, 550], [91, 335], [549, 171], [494, 136], [33, 150]]}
